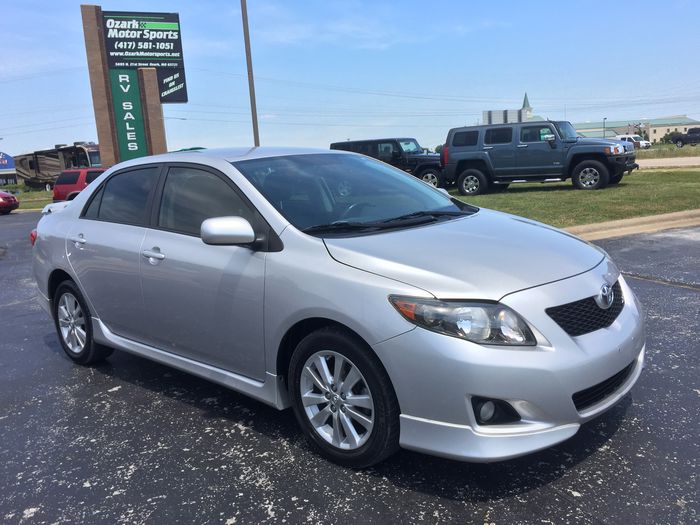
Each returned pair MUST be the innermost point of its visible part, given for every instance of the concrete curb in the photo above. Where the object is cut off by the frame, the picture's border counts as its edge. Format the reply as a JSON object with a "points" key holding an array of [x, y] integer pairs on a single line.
{"points": [[648, 224], [669, 162]]}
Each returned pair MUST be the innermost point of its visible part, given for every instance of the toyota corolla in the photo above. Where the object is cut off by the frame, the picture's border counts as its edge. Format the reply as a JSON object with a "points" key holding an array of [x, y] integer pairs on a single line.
{"points": [[385, 313]]}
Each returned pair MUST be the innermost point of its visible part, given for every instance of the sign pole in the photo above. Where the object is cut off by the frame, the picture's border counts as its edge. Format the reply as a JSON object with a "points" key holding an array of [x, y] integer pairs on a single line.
{"points": [[251, 82], [100, 82]]}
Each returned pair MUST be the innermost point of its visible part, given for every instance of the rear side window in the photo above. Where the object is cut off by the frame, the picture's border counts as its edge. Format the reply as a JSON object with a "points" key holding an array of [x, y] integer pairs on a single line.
{"points": [[498, 136], [190, 196], [68, 177], [466, 138], [125, 196], [92, 175], [366, 148]]}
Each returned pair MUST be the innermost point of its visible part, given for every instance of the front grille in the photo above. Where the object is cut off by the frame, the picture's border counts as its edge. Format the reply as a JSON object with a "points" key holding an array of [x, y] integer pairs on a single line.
{"points": [[590, 396], [584, 316]]}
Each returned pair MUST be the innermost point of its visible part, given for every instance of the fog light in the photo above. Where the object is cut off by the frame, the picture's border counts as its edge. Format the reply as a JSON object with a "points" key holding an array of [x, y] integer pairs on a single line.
{"points": [[487, 411], [493, 411]]}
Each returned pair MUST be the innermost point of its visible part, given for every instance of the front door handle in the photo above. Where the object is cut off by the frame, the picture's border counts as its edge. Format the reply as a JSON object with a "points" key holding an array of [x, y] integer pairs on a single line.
{"points": [[488, 147], [153, 256], [522, 145]]}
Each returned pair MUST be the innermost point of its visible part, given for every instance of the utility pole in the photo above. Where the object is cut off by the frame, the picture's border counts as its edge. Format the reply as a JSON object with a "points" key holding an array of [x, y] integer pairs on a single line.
{"points": [[251, 82], [604, 119]]}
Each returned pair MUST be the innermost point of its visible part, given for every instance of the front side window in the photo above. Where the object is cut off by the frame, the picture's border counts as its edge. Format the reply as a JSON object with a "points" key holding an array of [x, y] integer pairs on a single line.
{"points": [[125, 196], [498, 136], [333, 188], [190, 196], [386, 149], [535, 133]]}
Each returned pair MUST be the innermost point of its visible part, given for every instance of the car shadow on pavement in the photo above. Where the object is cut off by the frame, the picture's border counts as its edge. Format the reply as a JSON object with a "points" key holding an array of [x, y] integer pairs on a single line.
{"points": [[473, 482], [481, 482]]}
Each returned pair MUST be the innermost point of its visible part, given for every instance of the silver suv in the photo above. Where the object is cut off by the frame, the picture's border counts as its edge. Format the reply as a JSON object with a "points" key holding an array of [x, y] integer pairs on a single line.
{"points": [[384, 312]]}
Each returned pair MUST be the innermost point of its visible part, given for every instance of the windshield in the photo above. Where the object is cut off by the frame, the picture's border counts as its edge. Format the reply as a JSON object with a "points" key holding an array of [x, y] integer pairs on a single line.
{"points": [[94, 158], [346, 191], [637, 138], [566, 130], [410, 146]]}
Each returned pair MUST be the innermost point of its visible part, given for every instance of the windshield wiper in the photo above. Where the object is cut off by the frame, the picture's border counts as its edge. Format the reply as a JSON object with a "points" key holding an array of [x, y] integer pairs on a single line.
{"points": [[418, 214], [340, 226]]}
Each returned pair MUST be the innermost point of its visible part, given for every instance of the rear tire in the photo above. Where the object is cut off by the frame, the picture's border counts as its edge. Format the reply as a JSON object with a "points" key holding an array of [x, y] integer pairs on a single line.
{"points": [[335, 426], [679, 143], [472, 182], [431, 176], [74, 327], [590, 175]]}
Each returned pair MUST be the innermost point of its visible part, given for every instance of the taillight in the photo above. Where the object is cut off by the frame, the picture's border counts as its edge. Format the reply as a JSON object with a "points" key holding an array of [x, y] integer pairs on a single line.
{"points": [[444, 155], [32, 236]]}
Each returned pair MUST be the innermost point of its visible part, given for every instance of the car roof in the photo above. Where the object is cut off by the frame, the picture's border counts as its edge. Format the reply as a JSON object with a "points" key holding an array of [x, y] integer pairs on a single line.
{"points": [[526, 123], [237, 154], [373, 140]]}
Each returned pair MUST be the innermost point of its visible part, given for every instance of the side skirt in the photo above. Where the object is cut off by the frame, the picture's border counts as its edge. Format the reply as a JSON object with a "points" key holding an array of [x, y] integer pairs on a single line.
{"points": [[272, 391]]}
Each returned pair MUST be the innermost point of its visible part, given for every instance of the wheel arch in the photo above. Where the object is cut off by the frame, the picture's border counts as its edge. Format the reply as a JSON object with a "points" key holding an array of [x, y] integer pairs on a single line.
{"points": [[479, 164], [55, 279], [580, 157]]}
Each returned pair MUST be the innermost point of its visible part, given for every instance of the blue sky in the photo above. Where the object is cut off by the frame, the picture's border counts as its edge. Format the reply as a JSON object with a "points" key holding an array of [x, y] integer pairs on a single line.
{"points": [[331, 70]]}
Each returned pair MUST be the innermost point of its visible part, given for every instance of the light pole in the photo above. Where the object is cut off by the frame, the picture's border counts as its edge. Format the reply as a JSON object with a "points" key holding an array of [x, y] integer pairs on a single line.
{"points": [[604, 119], [251, 83]]}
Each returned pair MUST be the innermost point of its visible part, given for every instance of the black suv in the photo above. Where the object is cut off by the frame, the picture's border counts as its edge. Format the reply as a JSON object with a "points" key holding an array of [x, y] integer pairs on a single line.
{"points": [[692, 137], [479, 158], [405, 154]]}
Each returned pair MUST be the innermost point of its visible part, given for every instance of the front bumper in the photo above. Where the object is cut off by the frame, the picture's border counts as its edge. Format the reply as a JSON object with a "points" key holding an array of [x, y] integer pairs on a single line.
{"points": [[622, 163], [435, 376], [7, 208]]}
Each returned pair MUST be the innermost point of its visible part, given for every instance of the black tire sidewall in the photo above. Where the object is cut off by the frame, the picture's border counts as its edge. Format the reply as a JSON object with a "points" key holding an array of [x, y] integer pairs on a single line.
{"points": [[383, 440], [483, 183], [604, 174]]}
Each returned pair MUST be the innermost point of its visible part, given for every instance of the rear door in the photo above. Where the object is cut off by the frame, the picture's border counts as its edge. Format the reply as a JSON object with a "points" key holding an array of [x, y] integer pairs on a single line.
{"points": [[202, 302], [498, 143], [537, 156], [104, 247]]}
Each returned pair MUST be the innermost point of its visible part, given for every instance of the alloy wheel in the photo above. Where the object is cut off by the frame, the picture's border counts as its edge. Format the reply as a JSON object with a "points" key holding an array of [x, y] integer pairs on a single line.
{"points": [[470, 184], [589, 177], [337, 400], [430, 178], [71, 322]]}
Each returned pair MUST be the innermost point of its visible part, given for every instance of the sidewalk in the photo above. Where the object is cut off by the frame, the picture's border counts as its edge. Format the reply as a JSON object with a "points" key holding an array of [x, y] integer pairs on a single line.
{"points": [[675, 162], [649, 224]]}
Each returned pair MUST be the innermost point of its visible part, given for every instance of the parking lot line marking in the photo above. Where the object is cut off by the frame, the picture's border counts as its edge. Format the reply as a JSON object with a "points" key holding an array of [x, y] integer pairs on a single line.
{"points": [[664, 282]]}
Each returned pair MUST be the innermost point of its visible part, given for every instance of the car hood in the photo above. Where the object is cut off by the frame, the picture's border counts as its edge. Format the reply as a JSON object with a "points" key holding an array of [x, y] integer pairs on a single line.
{"points": [[482, 256]]}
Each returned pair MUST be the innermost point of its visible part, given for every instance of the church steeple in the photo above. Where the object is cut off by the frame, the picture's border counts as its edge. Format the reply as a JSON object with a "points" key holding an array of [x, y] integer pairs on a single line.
{"points": [[526, 103]]}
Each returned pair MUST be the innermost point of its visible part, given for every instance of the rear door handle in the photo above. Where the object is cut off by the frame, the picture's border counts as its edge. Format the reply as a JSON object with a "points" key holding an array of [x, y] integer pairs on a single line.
{"points": [[78, 241], [150, 254], [488, 147]]}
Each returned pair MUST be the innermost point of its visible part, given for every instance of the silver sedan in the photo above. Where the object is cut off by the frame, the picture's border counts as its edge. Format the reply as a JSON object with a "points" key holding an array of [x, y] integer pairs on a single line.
{"points": [[383, 312]]}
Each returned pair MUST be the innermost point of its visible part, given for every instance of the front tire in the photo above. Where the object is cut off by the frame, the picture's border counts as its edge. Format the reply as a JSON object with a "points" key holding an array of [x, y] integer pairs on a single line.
{"points": [[431, 176], [590, 175], [72, 320], [615, 179], [472, 182], [679, 143], [342, 399]]}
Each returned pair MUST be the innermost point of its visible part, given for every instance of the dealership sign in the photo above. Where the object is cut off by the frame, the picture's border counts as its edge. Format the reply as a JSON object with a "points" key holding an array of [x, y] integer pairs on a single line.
{"points": [[7, 163], [134, 40], [128, 115]]}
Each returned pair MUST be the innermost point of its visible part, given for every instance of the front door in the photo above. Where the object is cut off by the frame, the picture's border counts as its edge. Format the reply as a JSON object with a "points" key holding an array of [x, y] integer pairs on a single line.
{"points": [[104, 248], [203, 302], [537, 156]]}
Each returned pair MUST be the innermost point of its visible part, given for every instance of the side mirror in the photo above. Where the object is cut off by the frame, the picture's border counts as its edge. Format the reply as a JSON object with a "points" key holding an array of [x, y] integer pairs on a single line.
{"points": [[227, 231], [395, 154], [550, 138]]}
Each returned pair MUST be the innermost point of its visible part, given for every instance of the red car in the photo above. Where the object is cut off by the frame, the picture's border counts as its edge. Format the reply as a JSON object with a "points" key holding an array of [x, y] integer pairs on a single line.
{"points": [[71, 182], [8, 202]]}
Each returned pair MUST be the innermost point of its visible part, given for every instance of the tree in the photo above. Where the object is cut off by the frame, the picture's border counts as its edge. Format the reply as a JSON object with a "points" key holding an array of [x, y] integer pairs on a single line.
{"points": [[670, 138], [438, 148]]}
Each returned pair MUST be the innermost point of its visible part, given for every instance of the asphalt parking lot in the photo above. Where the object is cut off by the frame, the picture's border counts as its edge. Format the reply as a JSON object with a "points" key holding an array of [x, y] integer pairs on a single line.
{"points": [[131, 441]]}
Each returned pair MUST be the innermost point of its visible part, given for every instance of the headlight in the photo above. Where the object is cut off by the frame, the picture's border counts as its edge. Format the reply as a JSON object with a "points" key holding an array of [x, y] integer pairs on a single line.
{"points": [[483, 323], [617, 149]]}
